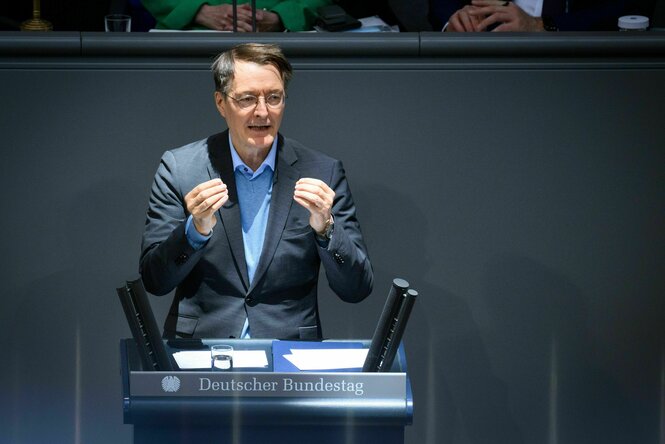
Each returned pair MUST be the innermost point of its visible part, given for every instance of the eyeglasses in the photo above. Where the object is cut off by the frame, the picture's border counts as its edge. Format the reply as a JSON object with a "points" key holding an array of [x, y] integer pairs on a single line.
{"points": [[272, 100]]}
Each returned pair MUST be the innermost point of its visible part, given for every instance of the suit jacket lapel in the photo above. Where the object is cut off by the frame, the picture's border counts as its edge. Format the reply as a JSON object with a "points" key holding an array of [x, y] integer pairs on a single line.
{"points": [[284, 181], [221, 165]]}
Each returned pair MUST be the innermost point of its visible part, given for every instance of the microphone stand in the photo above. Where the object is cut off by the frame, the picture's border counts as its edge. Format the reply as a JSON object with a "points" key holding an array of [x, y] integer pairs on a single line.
{"points": [[36, 23], [234, 4]]}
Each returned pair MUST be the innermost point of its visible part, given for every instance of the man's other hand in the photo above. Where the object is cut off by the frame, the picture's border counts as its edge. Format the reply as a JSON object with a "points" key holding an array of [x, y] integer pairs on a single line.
{"points": [[203, 201], [317, 198]]}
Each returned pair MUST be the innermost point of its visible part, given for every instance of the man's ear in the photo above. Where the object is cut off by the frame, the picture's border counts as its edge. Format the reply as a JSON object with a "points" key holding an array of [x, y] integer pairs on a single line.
{"points": [[220, 103]]}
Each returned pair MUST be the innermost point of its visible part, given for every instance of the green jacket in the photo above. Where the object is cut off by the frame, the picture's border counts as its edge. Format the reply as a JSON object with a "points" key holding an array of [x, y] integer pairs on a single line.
{"points": [[296, 15]]}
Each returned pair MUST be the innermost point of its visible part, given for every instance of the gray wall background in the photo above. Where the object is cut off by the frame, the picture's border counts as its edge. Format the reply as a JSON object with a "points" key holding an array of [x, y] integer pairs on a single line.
{"points": [[524, 202]]}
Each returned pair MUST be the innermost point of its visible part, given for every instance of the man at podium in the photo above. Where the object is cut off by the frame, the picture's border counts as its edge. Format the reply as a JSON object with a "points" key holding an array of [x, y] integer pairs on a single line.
{"points": [[239, 223]]}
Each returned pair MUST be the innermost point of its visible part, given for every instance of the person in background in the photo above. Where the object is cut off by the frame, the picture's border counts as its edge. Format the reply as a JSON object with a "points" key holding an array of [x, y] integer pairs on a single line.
{"points": [[528, 15], [271, 15]]}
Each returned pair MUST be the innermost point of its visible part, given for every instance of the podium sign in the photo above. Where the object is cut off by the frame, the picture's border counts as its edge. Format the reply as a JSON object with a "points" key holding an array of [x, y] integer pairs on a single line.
{"points": [[271, 385]]}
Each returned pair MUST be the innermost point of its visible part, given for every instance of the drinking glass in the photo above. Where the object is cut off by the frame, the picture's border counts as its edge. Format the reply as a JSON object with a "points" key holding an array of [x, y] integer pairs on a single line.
{"points": [[221, 358]]}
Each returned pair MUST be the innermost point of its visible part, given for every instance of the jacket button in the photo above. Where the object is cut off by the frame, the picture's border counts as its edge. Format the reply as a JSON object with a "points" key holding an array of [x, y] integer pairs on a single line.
{"points": [[249, 299], [338, 258], [181, 259]]}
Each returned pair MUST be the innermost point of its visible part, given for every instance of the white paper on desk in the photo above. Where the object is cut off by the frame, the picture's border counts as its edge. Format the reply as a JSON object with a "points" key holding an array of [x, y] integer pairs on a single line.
{"points": [[327, 359], [198, 359]]}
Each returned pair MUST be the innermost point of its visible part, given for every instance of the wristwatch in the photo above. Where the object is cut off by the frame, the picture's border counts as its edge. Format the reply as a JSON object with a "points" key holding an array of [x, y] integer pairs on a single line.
{"points": [[328, 231]]}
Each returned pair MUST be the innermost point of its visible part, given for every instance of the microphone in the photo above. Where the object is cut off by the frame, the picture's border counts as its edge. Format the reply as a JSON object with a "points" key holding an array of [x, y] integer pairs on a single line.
{"points": [[390, 327], [234, 4]]}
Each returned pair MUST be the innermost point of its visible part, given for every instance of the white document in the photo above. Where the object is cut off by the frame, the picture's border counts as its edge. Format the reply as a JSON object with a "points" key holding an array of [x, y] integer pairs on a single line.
{"points": [[199, 359], [327, 359]]}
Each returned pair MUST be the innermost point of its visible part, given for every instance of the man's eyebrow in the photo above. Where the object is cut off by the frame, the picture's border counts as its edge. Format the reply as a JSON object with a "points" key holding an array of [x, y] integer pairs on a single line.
{"points": [[258, 93]]}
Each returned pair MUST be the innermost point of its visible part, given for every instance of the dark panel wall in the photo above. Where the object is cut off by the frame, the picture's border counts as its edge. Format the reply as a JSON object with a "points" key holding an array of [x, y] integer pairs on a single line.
{"points": [[525, 204]]}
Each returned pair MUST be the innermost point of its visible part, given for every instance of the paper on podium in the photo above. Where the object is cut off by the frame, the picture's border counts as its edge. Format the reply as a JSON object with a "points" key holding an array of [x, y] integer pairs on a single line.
{"points": [[327, 359], [200, 359], [287, 356]]}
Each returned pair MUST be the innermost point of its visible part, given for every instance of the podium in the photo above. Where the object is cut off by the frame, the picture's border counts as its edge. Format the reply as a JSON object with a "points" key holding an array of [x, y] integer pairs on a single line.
{"points": [[260, 405]]}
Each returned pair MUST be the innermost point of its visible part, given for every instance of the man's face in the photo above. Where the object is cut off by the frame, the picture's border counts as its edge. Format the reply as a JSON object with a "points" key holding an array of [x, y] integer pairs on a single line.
{"points": [[254, 128]]}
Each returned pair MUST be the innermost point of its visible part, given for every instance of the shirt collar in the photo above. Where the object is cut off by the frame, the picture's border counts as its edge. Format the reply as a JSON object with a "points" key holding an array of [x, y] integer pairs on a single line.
{"points": [[268, 162]]}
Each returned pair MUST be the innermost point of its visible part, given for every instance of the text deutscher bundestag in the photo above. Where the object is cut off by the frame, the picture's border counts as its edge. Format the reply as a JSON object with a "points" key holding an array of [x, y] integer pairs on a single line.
{"points": [[286, 385]]}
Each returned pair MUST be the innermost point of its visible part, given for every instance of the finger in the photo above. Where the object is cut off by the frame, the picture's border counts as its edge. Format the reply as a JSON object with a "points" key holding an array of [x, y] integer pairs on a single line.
{"points": [[317, 206], [245, 13], [318, 216], [226, 24], [196, 199], [244, 18], [467, 23], [200, 202], [314, 211], [488, 2], [314, 199], [217, 205], [310, 180], [485, 11], [207, 206], [454, 24], [312, 187], [489, 21], [198, 194], [205, 185], [223, 9], [316, 183], [241, 9], [507, 22], [322, 198], [244, 25], [305, 203], [204, 204]]}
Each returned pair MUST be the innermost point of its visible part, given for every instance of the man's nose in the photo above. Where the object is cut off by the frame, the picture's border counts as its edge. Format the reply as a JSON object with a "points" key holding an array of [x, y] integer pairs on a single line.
{"points": [[261, 108]]}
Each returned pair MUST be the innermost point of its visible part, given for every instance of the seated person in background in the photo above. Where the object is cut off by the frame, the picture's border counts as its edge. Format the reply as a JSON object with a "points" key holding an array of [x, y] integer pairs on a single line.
{"points": [[527, 15], [271, 15]]}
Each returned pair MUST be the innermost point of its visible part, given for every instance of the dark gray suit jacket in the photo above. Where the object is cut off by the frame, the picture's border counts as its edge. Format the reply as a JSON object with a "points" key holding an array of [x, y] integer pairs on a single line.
{"points": [[212, 288]]}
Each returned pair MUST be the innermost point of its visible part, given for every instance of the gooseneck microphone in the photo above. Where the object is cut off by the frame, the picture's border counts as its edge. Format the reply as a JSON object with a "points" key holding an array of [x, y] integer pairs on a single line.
{"points": [[234, 5], [390, 328]]}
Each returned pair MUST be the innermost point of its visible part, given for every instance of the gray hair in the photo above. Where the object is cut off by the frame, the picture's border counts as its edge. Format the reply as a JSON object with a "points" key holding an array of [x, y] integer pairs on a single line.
{"points": [[223, 68]]}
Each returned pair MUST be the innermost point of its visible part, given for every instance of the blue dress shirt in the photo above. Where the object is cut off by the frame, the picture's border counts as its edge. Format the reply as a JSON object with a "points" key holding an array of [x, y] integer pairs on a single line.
{"points": [[254, 194]]}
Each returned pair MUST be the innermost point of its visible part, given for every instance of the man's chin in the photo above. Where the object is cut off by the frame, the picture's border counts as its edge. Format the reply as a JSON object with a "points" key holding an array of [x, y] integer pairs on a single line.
{"points": [[262, 142]]}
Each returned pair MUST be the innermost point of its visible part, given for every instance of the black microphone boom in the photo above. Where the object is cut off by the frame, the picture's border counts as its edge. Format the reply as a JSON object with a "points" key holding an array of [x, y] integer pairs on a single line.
{"points": [[390, 328], [234, 5], [145, 331]]}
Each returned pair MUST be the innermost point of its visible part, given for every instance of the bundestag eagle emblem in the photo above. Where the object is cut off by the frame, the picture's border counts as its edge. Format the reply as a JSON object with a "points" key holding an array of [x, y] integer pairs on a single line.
{"points": [[171, 384]]}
